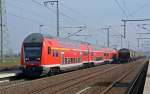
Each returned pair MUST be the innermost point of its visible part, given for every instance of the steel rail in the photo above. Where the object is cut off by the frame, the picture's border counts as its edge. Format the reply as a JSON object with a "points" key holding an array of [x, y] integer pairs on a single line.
{"points": [[23, 83], [133, 83], [84, 78], [119, 79]]}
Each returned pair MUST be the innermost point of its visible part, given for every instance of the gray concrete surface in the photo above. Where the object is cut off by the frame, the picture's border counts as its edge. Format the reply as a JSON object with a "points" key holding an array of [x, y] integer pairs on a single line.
{"points": [[147, 83], [9, 73]]}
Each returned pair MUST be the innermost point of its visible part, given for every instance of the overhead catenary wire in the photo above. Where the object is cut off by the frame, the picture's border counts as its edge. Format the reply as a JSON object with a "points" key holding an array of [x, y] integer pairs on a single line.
{"points": [[141, 8], [129, 15], [126, 9], [23, 10], [74, 11], [32, 12], [51, 10], [69, 19], [61, 13], [122, 9], [28, 19]]}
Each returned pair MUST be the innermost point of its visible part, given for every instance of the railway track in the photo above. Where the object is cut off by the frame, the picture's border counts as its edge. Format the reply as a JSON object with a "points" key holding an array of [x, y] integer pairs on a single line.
{"points": [[58, 87], [18, 79], [70, 87], [39, 84], [117, 85], [128, 83], [100, 80], [115, 82]]}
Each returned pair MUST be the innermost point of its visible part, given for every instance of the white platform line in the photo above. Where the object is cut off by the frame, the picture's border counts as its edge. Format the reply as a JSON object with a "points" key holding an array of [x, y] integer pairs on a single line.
{"points": [[9, 74], [83, 90], [4, 81]]}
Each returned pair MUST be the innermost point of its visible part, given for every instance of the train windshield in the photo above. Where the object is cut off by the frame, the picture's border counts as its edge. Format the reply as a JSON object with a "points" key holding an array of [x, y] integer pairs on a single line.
{"points": [[124, 55], [32, 53]]}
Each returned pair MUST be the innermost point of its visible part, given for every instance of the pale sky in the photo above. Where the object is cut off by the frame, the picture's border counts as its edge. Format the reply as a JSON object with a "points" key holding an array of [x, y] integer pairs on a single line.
{"points": [[25, 17]]}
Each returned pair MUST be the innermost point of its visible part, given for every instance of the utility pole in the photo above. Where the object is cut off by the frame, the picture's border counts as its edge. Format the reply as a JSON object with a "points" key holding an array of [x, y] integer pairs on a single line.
{"points": [[57, 13], [40, 28], [108, 33], [138, 42], [124, 25], [1, 27]]}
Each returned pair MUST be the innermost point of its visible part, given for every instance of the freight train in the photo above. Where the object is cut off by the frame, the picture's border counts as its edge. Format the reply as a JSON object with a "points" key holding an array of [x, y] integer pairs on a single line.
{"points": [[44, 54], [127, 55]]}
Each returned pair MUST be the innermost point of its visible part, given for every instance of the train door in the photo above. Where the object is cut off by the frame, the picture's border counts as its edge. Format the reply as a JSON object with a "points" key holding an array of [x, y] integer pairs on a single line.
{"points": [[62, 58]]}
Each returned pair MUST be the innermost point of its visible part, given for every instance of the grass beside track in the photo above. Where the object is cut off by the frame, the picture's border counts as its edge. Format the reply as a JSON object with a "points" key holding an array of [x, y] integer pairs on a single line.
{"points": [[10, 62]]}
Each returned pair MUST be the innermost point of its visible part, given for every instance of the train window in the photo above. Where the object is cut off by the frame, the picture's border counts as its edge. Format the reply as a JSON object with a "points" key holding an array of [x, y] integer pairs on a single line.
{"points": [[69, 60], [53, 53], [65, 60], [74, 61], [78, 60], [85, 53], [49, 50], [56, 53], [99, 58], [32, 53], [105, 54]]}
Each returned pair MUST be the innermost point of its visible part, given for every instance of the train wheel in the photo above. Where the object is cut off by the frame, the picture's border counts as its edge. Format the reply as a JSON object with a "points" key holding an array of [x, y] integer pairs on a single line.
{"points": [[85, 65], [91, 64], [54, 71]]}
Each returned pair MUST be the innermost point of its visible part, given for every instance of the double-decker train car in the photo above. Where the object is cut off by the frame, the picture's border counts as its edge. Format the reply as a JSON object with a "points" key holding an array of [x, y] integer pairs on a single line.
{"points": [[109, 55], [42, 54], [127, 55]]}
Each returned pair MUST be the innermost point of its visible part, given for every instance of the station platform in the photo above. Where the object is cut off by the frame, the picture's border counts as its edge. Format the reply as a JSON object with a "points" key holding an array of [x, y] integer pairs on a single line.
{"points": [[12, 73], [147, 83]]}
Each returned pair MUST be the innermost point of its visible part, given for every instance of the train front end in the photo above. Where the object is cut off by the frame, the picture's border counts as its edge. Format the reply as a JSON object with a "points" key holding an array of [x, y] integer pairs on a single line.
{"points": [[31, 55], [124, 55]]}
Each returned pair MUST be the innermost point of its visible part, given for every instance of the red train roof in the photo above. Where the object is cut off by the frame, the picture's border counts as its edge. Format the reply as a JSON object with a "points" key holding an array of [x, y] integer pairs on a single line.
{"points": [[62, 42]]}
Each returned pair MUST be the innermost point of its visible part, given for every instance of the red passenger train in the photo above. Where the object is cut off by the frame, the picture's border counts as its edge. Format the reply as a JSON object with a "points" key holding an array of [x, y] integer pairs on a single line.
{"points": [[46, 54]]}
